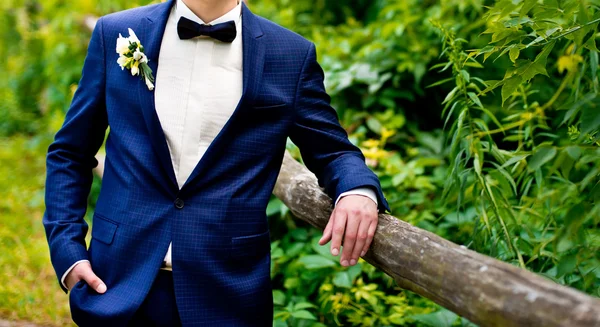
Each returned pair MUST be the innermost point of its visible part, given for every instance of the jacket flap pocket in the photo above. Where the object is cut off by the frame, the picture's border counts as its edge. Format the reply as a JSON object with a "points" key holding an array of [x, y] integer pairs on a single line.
{"points": [[250, 245], [103, 229]]}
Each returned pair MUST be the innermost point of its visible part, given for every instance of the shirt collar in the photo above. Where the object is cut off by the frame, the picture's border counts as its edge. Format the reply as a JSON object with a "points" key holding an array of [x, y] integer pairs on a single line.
{"points": [[183, 11]]}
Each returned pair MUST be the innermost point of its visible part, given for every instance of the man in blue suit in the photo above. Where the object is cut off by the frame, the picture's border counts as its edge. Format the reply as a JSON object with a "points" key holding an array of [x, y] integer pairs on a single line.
{"points": [[199, 115]]}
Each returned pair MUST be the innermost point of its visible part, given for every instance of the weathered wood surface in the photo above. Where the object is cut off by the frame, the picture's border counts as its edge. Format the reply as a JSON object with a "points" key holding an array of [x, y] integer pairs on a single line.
{"points": [[487, 291]]}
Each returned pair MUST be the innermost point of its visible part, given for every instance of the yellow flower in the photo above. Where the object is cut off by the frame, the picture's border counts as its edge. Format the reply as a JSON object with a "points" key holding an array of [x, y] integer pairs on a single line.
{"points": [[135, 68], [370, 143], [569, 62], [386, 133], [374, 153]]}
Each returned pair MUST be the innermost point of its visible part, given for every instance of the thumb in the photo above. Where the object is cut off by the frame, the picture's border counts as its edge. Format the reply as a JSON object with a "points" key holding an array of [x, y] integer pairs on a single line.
{"points": [[327, 232], [94, 281]]}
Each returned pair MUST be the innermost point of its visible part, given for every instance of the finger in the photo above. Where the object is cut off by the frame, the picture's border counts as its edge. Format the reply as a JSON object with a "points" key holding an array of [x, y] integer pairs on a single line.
{"points": [[352, 223], [70, 282], [93, 280], [74, 276], [339, 225], [361, 240], [370, 236], [327, 232]]}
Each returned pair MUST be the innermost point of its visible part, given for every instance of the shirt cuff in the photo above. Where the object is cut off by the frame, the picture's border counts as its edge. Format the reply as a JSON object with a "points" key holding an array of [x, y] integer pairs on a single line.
{"points": [[62, 280], [364, 191]]}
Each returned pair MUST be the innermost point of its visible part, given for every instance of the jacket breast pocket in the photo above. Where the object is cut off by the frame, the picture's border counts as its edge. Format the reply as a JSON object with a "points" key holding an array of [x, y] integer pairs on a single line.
{"points": [[250, 248], [269, 106], [269, 112], [103, 229]]}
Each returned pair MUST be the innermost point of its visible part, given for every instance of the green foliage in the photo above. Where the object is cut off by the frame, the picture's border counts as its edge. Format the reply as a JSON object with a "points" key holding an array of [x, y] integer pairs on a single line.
{"points": [[42, 48], [534, 178], [514, 171], [311, 288], [28, 287], [481, 119]]}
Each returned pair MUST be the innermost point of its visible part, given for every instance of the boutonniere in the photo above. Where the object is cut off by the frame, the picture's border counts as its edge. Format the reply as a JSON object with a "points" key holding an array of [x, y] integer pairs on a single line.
{"points": [[132, 56]]}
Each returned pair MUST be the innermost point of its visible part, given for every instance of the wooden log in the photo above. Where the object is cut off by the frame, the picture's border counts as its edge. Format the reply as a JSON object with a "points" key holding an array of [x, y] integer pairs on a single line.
{"points": [[486, 291]]}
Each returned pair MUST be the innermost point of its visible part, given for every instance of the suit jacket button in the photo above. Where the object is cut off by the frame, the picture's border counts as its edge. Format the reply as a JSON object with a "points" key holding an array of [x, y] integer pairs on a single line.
{"points": [[179, 203]]}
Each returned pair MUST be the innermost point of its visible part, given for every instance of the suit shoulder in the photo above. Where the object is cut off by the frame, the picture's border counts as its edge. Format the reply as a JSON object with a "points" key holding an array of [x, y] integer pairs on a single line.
{"points": [[278, 32], [128, 16]]}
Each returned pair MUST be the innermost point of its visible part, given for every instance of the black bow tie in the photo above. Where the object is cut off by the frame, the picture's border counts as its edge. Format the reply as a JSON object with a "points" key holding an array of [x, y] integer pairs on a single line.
{"points": [[224, 32]]}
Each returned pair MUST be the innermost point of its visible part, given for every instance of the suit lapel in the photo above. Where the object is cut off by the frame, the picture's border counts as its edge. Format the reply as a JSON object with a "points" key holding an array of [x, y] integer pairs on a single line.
{"points": [[254, 54], [253, 62], [152, 30]]}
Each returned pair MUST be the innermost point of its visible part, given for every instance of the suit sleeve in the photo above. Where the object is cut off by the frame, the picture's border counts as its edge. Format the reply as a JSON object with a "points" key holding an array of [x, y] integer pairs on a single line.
{"points": [[70, 161], [338, 164]]}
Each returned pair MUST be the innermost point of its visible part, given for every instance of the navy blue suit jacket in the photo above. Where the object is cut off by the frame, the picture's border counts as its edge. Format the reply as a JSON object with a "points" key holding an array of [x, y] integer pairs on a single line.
{"points": [[217, 220]]}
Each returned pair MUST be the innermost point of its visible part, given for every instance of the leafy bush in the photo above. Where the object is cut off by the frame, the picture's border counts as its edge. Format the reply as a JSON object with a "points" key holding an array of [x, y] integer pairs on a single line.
{"points": [[533, 178], [526, 189]]}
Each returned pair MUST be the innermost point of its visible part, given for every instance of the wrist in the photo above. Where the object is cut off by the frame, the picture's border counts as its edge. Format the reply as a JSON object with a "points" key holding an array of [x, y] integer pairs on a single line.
{"points": [[69, 271]]}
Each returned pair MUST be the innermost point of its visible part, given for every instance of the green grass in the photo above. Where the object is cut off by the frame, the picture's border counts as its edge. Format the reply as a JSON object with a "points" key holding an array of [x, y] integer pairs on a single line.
{"points": [[28, 286]]}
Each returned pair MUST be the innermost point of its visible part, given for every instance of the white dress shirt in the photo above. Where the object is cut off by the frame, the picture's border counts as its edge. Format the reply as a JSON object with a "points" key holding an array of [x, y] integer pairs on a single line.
{"points": [[198, 86]]}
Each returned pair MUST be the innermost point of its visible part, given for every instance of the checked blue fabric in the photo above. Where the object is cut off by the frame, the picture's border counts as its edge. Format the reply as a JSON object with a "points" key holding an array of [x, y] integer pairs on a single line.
{"points": [[217, 220]]}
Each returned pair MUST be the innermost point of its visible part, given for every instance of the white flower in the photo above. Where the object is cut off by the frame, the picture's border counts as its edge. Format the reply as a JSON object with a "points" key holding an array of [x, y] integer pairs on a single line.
{"points": [[132, 57], [122, 45], [140, 56], [122, 61], [135, 68], [149, 84], [133, 38]]}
